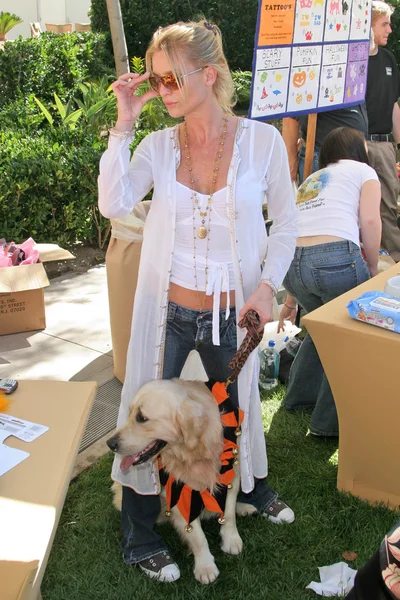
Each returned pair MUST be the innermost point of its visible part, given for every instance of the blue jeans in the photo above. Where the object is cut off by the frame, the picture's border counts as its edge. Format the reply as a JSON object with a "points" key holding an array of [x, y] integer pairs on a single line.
{"points": [[186, 330], [302, 156], [317, 275]]}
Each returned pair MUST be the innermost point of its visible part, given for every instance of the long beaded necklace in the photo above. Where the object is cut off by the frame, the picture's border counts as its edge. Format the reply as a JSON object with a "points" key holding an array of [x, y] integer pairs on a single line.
{"points": [[203, 231]]}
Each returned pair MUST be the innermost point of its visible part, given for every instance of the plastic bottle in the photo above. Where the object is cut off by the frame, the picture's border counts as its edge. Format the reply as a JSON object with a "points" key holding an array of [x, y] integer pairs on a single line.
{"points": [[293, 346], [269, 367]]}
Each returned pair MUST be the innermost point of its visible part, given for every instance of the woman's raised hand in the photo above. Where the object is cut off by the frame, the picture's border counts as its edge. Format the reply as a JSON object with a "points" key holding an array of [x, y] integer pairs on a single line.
{"points": [[129, 105]]}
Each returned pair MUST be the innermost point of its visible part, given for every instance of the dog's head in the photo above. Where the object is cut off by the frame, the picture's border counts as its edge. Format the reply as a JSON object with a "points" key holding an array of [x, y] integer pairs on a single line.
{"points": [[178, 418]]}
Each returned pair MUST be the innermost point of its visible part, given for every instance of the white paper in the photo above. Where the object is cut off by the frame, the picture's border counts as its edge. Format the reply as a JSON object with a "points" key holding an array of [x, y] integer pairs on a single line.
{"points": [[23, 430], [10, 457], [336, 580]]}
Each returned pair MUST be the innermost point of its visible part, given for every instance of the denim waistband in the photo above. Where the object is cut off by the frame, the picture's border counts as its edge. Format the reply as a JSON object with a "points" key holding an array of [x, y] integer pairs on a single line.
{"points": [[191, 313], [345, 245]]}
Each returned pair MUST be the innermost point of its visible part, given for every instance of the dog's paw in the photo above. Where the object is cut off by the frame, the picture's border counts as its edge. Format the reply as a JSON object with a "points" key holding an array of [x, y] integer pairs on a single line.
{"points": [[116, 489], [206, 573], [245, 510], [232, 543]]}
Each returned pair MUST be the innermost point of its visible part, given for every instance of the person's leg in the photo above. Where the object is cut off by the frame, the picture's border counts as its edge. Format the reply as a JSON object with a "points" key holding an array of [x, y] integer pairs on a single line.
{"points": [[216, 360], [382, 157], [140, 542], [321, 274], [343, 274], [306, 373]]}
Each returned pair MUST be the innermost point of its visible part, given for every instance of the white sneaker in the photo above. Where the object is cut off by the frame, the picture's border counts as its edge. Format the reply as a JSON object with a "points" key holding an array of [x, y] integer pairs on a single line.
{"points": [[278, 512], [161, 567]]}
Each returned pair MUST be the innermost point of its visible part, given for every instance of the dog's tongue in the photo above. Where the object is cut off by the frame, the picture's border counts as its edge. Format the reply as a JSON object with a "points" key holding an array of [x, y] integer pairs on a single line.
{"points": [[126, 462]]}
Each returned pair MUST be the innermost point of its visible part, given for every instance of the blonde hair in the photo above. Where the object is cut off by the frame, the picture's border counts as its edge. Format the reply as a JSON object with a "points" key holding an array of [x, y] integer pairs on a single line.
{"points": [[201, 43], [381, 9]]}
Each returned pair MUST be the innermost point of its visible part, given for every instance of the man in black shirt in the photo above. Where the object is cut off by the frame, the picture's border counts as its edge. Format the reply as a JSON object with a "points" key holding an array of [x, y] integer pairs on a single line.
{"points": [[383, 92], [293, 129]]}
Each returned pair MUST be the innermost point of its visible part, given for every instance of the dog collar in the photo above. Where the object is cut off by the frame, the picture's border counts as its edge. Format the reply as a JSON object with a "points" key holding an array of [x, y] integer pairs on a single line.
{"points": [[192, 502]]}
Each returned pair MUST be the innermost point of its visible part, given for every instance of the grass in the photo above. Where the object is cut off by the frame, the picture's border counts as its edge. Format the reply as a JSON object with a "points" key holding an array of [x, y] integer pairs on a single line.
{"points": [[277, 562]]}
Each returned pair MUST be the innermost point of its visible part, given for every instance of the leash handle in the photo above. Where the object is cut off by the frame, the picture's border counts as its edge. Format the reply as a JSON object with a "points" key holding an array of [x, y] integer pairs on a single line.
{"points": [[251, 321]]}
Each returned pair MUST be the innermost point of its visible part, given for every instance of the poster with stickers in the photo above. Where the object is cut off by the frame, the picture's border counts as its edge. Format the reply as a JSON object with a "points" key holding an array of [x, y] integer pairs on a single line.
{"points": [[309, 56]]}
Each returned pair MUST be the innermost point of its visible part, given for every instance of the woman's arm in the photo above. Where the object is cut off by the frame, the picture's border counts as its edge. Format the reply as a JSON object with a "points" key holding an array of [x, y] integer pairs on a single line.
{"points": [[370, 222], [283, 213], [288, 312], [290, 134], [122, 183], [282, 236]]}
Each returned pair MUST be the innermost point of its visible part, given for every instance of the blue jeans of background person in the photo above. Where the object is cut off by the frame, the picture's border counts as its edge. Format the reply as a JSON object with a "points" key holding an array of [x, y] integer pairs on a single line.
{"points": [[302, 156], [186, 330], [317, 275]]}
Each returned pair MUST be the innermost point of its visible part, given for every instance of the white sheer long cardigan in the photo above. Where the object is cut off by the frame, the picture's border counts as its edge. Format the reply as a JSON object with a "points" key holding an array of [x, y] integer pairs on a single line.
{"points": [[258, 173]]}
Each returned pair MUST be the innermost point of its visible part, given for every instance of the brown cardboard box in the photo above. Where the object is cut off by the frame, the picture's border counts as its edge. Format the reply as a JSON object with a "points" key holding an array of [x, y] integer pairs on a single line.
{"points": [[22, 292], [362, 364]]}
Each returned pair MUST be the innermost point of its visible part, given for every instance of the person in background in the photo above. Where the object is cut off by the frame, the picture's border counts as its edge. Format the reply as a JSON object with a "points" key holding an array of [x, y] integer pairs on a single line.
{"points": [[334, 205], [383, 92], [294, 133], [379, 578], [204, 244]]}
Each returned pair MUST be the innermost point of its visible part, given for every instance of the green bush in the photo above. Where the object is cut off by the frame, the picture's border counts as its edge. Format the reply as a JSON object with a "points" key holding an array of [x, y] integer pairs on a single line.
{"points": [[236, 18], [48, 186], [50, 63]]}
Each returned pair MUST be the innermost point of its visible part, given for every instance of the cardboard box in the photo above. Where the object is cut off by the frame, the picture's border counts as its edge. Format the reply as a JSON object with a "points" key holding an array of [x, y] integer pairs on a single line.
{"points": [[361, 363], [22, 292]]}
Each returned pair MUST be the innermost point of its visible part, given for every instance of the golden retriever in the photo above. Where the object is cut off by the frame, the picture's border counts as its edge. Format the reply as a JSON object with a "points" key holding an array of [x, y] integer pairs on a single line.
{"points": [[180, 422]]}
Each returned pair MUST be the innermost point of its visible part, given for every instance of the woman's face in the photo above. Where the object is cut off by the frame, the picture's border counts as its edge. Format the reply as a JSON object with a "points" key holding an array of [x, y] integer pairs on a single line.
{"points": [[195, 89]]}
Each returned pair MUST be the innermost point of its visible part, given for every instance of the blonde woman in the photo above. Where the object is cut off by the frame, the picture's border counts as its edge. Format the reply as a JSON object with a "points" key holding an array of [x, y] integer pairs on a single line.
{"points": [[204, 244]]}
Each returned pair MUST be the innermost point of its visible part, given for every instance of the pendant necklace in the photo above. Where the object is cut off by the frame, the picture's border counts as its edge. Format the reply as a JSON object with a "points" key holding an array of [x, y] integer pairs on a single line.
{"points": [[202, 231]]}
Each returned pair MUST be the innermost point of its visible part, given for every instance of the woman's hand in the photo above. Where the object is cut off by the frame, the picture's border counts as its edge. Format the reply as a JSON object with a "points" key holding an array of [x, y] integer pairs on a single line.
{"points": [[288, 313], [373, 270], [129, 105], [261, 302]]}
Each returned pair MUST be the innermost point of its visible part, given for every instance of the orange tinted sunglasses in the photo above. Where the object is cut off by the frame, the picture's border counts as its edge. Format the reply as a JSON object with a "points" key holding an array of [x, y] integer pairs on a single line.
{"points": [[169, 81]]}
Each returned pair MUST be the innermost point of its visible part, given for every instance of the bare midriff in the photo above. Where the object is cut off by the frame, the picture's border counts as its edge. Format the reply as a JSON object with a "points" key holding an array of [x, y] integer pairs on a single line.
{"points": [[194, 300], [315, 240]]}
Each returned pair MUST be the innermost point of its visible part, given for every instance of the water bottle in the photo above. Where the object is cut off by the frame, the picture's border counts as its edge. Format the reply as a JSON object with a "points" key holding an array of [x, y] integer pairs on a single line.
{"points": [[293, 346], [269, 367]]}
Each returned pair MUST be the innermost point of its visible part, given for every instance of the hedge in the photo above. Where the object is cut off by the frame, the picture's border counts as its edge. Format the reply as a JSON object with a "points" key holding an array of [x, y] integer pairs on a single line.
{"points": [[236, 18], [48, 186], [51, 63]]}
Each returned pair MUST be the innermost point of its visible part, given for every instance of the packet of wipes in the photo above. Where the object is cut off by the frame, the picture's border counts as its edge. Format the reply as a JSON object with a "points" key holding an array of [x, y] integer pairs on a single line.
{"points": [[376, 308]]}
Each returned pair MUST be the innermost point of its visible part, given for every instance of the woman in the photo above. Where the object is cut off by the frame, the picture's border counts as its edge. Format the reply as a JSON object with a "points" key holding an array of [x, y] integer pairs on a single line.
{"points": [[204, 242], [333, 204]]}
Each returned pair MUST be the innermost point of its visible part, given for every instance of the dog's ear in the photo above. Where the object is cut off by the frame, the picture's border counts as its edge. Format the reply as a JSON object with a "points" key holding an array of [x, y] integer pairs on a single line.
{"points": [[199, 422], [192, 421]]}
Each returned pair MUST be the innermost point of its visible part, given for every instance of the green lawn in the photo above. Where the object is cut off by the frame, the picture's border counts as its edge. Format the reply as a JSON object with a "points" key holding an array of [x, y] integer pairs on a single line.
{"points": [[277, 562]]}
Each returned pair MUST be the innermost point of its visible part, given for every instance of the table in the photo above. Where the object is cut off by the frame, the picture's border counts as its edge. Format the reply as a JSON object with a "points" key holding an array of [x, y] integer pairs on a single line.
{"points": [[362, 364], [32, 494]]}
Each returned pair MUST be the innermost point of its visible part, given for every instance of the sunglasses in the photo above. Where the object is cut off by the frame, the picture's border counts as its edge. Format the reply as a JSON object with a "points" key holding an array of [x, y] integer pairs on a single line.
{"points": [[169, 81]]}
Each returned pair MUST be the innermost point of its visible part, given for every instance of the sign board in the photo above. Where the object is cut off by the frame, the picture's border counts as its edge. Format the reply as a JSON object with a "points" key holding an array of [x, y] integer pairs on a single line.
{"points": [[309, 56]]}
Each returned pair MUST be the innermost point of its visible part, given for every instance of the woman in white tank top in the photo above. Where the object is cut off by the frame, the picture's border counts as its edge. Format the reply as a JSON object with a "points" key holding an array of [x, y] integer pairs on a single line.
{"points": [[335, 205], [204, 260]]}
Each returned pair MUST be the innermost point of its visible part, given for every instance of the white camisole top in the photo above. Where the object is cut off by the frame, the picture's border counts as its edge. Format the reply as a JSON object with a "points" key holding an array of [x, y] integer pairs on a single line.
{"points": [[220, 278]]}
